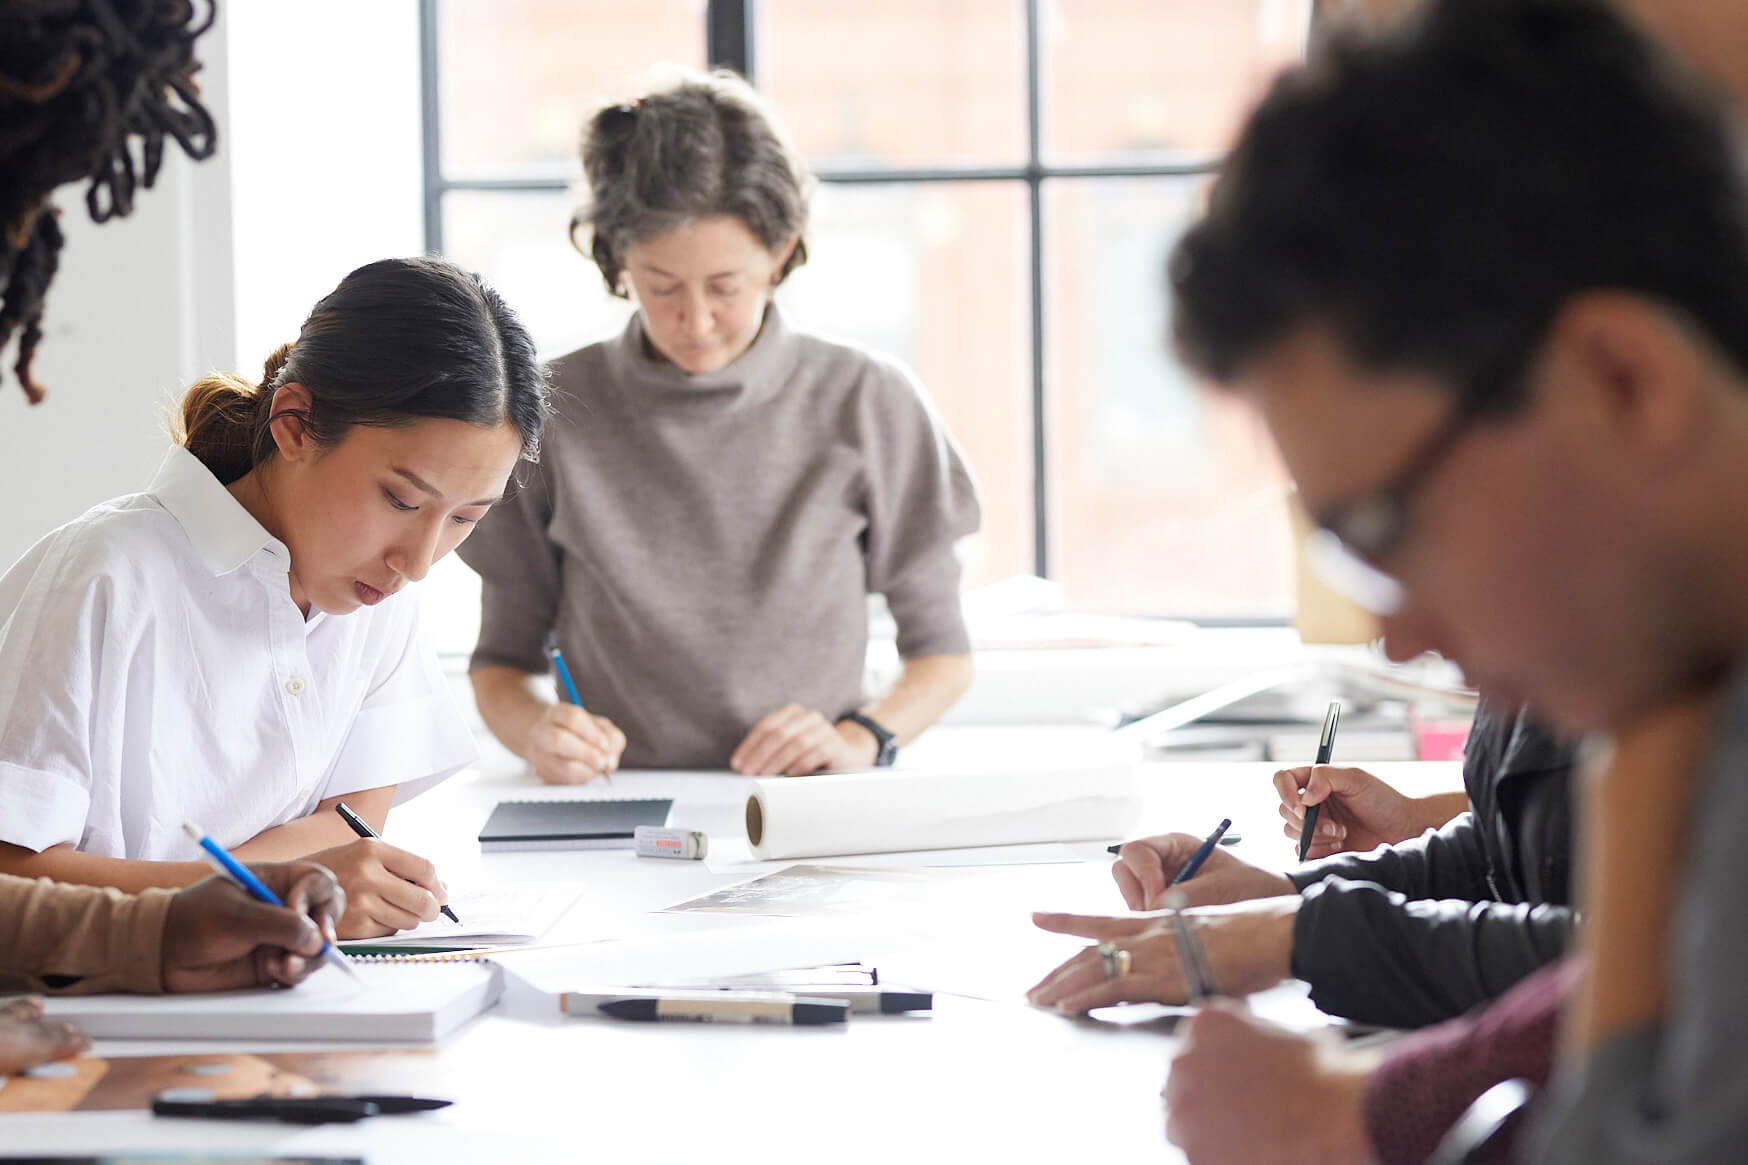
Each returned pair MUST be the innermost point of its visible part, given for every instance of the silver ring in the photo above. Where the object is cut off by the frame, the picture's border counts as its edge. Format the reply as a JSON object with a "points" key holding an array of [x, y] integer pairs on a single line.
{"points": [[1116, 960]]}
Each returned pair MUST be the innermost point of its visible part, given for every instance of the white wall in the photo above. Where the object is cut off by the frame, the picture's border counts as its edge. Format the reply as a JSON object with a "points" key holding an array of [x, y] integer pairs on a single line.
{"points": [[140, 306], [326, 154], [318, 171]]}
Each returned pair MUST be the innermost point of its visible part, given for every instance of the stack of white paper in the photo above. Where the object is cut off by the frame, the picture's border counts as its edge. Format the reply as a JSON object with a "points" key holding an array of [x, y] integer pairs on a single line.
{"points": [[392, 1003]]}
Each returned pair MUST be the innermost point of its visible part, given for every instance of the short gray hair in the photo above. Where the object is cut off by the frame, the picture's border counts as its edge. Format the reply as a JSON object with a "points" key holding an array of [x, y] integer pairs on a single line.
{"points": [[706, 145]]}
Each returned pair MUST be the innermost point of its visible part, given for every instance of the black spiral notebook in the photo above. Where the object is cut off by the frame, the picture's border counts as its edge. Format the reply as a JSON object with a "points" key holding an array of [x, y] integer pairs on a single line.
{"points": [[517, 825]]}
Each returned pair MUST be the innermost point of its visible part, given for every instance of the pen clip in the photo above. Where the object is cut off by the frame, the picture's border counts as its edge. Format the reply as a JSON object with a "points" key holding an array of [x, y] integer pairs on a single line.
{"points": [[1331, 718]]}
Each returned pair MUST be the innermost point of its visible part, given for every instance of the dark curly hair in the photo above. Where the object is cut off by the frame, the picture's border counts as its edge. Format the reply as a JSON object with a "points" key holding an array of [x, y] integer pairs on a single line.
{"points": [[81, 81]]}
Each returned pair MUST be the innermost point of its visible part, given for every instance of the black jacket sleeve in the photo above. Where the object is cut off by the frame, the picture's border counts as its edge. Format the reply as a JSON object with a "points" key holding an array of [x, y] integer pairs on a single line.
{"points": [[1376, 956], [1450, 862]]}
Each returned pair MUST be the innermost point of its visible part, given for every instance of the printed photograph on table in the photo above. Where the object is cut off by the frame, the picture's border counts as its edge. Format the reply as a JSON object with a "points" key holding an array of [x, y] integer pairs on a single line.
{"points": [[824, 890]]}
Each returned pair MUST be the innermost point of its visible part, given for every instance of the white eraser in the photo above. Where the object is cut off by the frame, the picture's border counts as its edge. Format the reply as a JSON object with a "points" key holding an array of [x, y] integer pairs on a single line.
{"points": [[656, 841]]}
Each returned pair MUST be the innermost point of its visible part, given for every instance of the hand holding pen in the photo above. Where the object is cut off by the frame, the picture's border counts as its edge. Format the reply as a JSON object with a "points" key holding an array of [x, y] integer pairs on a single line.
{"points": [[362, 828], [566, 743], [1145, 868], [251, 926]]}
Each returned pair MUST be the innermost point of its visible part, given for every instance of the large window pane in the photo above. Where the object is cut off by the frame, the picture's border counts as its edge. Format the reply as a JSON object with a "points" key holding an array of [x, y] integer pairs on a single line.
{"points": [[1150, 80], [518, 76], [1165, 497], [903, 82], [518, 241], [935, 274]]}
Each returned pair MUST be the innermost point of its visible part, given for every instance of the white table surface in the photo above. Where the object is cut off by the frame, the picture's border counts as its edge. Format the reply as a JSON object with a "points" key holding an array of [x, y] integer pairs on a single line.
{"points": [[978, 1079]]}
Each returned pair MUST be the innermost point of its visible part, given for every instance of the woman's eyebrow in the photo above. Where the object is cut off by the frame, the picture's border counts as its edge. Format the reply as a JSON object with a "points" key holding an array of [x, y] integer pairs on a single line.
{"points": [[427, 487]]}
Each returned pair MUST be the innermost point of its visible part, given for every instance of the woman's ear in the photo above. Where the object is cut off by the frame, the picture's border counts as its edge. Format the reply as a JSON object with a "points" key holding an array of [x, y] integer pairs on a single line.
{"points": [[288, 421], [780, 258]]}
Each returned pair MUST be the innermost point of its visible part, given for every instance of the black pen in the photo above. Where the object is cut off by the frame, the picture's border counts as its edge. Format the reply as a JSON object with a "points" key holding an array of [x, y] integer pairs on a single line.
{"points": [[303, 1110], [1202, 852], [862, 1000], [1325, 749], [728, 1007], [362, 828]]}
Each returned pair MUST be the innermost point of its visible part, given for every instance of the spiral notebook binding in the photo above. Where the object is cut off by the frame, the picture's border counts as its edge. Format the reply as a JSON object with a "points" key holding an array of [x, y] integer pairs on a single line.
{"points": [[428, 957]]}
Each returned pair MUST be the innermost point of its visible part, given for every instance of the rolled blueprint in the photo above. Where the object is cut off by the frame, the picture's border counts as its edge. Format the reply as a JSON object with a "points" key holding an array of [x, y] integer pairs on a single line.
{"points": [[883, 812]]}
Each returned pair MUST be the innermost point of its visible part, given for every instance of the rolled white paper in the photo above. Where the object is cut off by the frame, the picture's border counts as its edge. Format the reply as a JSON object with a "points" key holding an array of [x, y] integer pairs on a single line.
{"points": [[883, 812]]}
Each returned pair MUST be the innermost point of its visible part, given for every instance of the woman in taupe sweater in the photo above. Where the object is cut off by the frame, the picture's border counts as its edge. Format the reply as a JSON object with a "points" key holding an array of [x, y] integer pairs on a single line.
{"points": [[719, 492]]}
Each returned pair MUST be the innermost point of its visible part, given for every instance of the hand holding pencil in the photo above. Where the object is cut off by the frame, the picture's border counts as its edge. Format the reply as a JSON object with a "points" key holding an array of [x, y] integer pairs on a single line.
{"points": [[250, 926], [566, 743]]}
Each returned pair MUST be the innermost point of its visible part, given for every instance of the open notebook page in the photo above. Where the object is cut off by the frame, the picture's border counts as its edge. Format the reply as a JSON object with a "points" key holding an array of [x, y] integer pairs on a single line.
{"points": [[496, 916]]}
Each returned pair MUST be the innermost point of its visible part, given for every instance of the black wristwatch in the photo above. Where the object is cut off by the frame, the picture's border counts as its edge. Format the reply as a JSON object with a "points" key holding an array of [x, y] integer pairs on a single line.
{"points": [[887, 752]]}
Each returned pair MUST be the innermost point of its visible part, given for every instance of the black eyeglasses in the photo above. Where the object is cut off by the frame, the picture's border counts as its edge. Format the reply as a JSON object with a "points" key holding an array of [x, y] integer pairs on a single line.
{"points": [[1356, 537], [1371, 527]]}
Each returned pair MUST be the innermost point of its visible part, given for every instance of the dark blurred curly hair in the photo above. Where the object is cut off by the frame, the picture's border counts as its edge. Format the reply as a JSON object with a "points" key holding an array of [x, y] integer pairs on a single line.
{"points": [[80, 81]]}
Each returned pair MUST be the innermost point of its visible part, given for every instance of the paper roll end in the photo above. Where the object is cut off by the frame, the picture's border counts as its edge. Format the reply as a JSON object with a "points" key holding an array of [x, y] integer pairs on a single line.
{"points": [[755, 820]]}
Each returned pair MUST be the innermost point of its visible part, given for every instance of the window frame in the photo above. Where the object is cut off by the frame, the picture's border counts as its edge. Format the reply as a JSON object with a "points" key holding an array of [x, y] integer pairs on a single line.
{"points": [[731, 32]]}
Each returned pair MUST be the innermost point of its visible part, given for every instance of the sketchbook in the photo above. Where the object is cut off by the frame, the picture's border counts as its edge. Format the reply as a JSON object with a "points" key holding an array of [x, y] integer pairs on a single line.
{"points": [[419, 1003], [592, 824]]}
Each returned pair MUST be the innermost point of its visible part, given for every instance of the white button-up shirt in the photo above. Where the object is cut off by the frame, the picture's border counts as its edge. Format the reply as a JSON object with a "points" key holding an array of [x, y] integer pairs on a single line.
{"points": [[154, 670]]}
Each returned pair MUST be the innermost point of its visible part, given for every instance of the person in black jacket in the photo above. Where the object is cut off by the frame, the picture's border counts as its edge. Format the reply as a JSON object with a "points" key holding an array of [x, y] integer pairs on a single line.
{"points": [[1410, 934]]}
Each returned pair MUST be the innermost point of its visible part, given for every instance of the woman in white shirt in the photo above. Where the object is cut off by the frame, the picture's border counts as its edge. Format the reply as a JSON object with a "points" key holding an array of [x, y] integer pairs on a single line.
{"points": [[229, 647]]}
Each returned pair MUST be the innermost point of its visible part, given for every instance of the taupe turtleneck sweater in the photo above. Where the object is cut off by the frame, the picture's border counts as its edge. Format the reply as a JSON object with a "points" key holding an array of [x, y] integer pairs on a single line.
{"points": [[704, 545]]}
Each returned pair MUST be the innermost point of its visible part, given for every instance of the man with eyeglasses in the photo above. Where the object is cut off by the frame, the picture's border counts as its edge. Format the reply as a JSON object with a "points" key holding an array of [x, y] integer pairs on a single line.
{"points": [[1486, 278]]}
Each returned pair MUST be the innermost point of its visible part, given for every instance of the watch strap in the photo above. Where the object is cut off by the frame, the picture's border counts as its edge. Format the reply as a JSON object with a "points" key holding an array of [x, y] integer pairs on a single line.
{"points": [[886, 742]]}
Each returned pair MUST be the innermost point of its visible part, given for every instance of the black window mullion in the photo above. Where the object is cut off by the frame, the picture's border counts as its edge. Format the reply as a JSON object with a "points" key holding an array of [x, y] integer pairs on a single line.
{"points": [[728, 35], [430, 126], [1035, 202]]}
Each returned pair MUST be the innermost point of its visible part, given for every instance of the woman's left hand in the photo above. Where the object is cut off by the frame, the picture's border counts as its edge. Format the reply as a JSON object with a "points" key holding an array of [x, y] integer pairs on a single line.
{"points": [[1249, 944], [794, 741]]}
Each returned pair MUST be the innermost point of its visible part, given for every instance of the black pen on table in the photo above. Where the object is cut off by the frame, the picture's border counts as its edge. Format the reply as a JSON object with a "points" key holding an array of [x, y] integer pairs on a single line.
{"points": [[362, 828], [1325, 749]]}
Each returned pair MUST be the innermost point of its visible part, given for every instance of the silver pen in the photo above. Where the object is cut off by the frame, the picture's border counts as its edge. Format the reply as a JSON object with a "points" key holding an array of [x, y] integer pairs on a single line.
{"points": [[1198, 972]]}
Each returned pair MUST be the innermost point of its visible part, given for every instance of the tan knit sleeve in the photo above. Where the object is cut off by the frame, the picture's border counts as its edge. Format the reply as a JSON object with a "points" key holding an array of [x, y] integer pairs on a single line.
{"points": [[79, 940], [921, 501], [518, 565]]}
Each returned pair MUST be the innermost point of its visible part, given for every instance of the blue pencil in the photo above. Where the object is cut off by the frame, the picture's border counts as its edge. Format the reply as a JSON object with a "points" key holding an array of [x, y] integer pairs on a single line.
{"points": [[564, 673], [237, 872]]}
